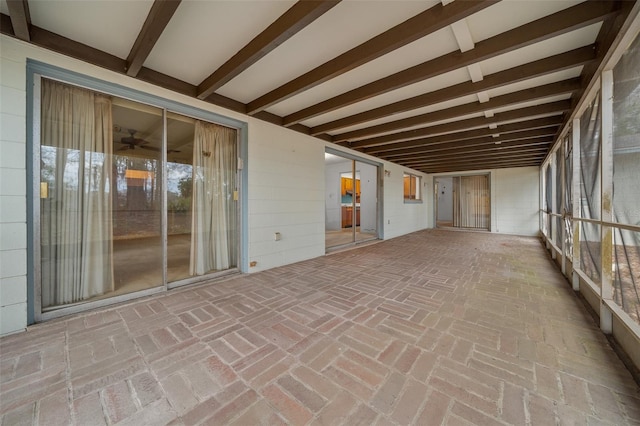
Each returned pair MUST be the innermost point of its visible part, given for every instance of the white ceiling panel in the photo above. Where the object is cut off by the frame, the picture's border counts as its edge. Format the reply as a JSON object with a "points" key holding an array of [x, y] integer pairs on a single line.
{"points": [[202, 35], [544, 49], [510, 14], [535, 82], [111, 25]]}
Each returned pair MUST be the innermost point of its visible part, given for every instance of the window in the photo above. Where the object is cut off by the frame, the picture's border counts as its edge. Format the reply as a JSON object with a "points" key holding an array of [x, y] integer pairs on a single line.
{"points": [[412, 187]]}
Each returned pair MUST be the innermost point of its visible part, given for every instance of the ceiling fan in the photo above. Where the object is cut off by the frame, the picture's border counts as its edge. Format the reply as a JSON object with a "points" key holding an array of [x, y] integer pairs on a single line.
{"points": [[131, 142]]}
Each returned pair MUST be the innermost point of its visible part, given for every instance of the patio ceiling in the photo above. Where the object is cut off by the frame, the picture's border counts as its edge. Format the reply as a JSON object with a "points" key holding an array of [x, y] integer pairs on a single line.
{"points": [[437, 86]]}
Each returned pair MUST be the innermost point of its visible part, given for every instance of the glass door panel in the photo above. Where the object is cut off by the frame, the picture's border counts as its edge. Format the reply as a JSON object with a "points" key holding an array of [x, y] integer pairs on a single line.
{"points": [[366, 206], [351, 207], [137, 198], [180, 132], [100, 199], [202, 198], [463, 202]]}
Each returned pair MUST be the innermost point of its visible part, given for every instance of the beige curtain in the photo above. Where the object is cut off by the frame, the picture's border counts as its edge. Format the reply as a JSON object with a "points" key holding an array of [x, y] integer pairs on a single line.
{"points": [[471, 202], [214, 220], [76, 224]]}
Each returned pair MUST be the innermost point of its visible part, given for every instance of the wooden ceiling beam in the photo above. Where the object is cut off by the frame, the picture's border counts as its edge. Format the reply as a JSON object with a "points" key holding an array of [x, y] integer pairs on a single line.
{"points": [[514, 98], [512, 128], [287, 25], [489, 156], [421, 25], [541, 143], [517, 74], [551, 108], [503, 140], [20, 18], [534, 162], [489, 148], [570, 19], [157, 20]]}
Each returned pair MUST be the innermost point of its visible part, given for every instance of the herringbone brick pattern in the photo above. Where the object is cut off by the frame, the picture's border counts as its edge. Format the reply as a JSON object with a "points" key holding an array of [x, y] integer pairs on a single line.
{"points": [[430, 328]]}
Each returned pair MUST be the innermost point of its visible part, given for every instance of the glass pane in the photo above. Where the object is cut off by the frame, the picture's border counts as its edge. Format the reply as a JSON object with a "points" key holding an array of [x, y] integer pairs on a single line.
{"points": [[137, 236], [590, 250], [590, 124], [557, 207], [444, 201], [338, 200], [474, 202], [626, 137], [366, 201], [626, 271], [568, 226], [215, 227], [100, 199], [568, 174], [180, 133]]}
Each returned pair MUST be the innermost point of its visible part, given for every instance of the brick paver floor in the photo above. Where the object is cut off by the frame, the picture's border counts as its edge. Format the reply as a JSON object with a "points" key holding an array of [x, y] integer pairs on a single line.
{"points": [[429, 328]]}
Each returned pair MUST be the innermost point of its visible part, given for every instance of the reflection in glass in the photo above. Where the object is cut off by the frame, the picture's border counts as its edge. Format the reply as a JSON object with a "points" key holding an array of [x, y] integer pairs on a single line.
{"points": [[351, 201], [202, 205], [100, 181]]}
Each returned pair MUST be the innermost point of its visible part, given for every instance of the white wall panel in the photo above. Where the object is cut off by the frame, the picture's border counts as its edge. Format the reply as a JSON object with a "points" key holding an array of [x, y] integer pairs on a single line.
{"points": [[517, 200], [13, 234]]}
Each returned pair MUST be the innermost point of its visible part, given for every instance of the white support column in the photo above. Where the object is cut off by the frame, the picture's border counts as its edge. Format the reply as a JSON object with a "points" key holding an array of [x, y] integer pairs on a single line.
{"points": [[563, 231], [552, 219], [606, 201], [575, 151]]}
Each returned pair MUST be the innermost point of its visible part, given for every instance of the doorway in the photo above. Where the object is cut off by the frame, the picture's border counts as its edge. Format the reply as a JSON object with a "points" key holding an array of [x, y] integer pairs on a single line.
{"points": [[133, 198], [463, 202], [351, 206]]}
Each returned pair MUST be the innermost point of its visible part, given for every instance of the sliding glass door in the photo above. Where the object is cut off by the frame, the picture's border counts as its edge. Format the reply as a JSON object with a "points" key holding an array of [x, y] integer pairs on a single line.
{"points": [[463, 202], [351, 201], [132, 197]]}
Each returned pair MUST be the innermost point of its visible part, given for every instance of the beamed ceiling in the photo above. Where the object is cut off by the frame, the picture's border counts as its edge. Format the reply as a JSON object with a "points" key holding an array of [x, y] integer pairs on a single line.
{"points": [[437, 86]]}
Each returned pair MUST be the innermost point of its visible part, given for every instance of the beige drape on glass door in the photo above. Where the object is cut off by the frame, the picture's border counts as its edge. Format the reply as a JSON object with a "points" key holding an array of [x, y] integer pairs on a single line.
{"points": [[471, 205], [213, 225], [76, 223]]}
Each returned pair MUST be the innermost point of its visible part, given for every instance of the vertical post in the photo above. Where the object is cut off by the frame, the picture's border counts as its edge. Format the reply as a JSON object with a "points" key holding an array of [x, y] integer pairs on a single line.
{"points": [[552, 221], [606, 164], [164, 231], [353, 202], [563, 232], [577, 201]]}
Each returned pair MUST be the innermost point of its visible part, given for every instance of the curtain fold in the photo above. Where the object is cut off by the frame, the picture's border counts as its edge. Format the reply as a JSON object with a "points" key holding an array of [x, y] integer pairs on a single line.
{"points": [[474, 202], [76, 223], [213, 225]]}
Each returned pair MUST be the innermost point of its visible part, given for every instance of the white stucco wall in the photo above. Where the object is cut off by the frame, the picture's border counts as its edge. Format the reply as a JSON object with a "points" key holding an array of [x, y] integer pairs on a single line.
{"points": [[516, 205], [286, 181]]}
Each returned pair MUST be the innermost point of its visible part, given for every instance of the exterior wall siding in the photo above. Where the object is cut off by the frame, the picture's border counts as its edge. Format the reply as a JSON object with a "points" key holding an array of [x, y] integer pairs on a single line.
{"points": [[13, 212]]}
